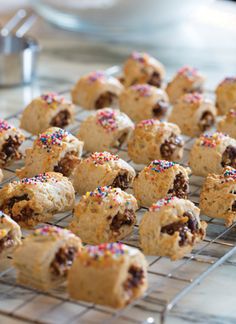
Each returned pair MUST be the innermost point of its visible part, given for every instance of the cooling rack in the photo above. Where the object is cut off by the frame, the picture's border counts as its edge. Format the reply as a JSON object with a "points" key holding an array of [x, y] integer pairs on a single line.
{"points": [[168, 280]]}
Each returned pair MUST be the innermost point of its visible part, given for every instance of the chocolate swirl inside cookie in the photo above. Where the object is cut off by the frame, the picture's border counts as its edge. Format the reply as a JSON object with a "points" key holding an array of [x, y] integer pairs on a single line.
{"points": [[23, 214], [106, 99], [135, 278], [121, 181], [206, 121], [10, 149], [119, 220], [160, 109], [183, 228], [63, 261], [170, 145], [155, 79], [67, 164], [180, 187], [6, 242], [229, 157], [62, 119]]}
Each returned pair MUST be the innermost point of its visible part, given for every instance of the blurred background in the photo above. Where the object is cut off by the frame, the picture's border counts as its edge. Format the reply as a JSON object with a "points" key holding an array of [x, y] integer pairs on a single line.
{"points": [[201, 33]]}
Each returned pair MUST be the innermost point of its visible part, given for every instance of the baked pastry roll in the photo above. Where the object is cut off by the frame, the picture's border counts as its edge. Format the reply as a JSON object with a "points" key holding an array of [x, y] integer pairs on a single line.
{"points": [[104, 215], [193, 114], [50, 109], [33, 200], [159, 179], [11, 139], [104, 130], [142, 101], [171, 228], [142, 68], [153, 139], [96, 90], [218, 195], [226, 95], [54, 150], [43, 260], [108, 274], [10, 234], [102, 169], [227, 124], [211, 153], [187, 79]]}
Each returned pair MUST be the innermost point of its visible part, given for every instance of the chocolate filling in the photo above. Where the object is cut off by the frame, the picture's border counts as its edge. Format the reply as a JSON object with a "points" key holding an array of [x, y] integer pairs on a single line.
{"points": [[63, 261], [106, 99], [67, 164], [128, 218], [122, 139], [229, 157], [121, 181], [25, 213], [169, 146], [160, 109], [233, 208], [180, 187], [206, 121], [5, 243], [190, 226], [61, 119], [155, 80], [10, 149], [135, 277]]}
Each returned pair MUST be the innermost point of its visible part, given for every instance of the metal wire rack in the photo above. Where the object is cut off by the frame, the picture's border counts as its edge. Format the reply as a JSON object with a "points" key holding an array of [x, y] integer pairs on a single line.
{"points": [[168, 281]]}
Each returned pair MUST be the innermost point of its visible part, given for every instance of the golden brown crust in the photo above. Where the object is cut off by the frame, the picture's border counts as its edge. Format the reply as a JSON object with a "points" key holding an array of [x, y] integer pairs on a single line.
{"points": [[226, 95]]}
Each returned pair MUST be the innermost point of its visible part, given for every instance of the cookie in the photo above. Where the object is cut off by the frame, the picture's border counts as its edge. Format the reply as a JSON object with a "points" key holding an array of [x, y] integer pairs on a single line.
{"points": [[142, 68], [10, 235], [159, 179], [43, 260], [142, 101], [227, 124], [104, 130], [193, 114], [217, 198], [48, 110], [54, 150], [33, 200], [153, 140], [108, 274], [104, 215], [11, 139], [171, 228], [96, 90], [186, 80], [226, 95], [211, 153], [102, 169]]}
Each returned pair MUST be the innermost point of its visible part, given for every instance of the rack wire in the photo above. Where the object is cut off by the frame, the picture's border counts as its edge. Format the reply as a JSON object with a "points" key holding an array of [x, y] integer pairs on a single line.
{"points": [[168, 281]]}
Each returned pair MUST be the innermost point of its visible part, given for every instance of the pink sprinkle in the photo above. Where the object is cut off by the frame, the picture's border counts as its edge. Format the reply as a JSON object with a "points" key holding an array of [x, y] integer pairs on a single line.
{"points": [[107, 119], [143, 89]]}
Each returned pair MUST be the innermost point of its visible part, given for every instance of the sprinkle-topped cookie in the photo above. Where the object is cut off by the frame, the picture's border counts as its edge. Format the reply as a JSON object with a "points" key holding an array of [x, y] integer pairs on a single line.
{"points": [[52, 99], [229, 174], [47, 140], [140, 57], [96, 75], [40, 178], [102, 157], [160, 165], [101, 192], [102, 252], [147, 122], [193, 98], [211, 140], [50, 231], [188, 71], [144, 90], [4, 126], [160, 203], [107, 119]]}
